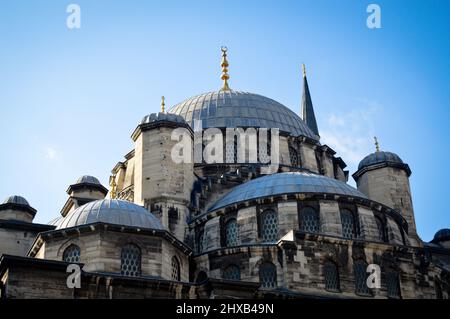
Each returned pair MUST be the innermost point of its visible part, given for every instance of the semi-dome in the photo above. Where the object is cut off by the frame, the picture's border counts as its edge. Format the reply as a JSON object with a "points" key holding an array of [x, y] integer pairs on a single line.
{"points": [[233, 109], [88, 180], [378, 158], [286, 183], [15, 199], [442, 235], [163, 117], [110, 211]]}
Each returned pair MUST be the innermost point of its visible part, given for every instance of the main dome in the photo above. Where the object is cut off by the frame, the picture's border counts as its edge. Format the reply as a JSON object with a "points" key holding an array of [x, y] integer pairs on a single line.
{"points": [[241, 109], [109, 211]]}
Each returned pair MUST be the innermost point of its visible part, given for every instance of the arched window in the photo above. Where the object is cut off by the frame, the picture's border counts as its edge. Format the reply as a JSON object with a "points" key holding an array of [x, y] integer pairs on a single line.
{"points": [[309, 220], [348, 224], [72, 254], [361, 275], [231, 233], [268, 275], [381, 226], [130, 261], [176, 269], [293, 156], [331, 275], [269, 226], [232, 272], [200, 241], [392, 284]]}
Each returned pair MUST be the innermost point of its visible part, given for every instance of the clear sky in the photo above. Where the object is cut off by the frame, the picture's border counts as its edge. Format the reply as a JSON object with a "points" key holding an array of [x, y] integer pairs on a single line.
{"points": [[70, 98]]}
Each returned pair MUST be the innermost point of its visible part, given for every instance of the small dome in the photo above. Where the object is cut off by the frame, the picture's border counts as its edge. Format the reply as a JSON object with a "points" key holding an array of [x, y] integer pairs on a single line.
{"points": [[88, 180], [167, 117], [442, 235], [234, 109], [110, 211], [286, 183], [378, 158], [18, 200]]}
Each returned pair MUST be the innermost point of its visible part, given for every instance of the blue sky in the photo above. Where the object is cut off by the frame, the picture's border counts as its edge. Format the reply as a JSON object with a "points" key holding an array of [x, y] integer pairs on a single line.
{"points": [[70, 99]]}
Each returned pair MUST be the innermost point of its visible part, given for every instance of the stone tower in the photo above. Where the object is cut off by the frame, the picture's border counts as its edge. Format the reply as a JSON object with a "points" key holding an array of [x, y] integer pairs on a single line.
{"points": [[384, 177], [160, 184]]}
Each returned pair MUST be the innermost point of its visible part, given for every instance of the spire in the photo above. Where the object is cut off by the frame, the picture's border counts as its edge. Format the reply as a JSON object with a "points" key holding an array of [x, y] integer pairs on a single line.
{"points": [[112, 183], [225, 77], [307, 106], [163, 110], [377, 145]]}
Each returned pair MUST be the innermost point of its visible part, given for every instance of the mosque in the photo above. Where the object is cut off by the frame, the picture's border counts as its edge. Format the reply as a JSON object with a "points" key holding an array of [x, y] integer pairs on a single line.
{"points": [[197, 229]]}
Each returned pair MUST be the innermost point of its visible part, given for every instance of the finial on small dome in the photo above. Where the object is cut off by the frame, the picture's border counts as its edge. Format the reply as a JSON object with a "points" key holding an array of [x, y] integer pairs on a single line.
{"points": [[163, 104], [377, 145], [225, 77], [304, 70], [112, 183]]}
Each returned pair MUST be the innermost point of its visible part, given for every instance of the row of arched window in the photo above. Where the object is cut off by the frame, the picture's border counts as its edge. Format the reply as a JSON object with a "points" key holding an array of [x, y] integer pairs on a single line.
{"points": [[268, 278], [130, 260], [332, 279], [267, 274], [309, 222]]}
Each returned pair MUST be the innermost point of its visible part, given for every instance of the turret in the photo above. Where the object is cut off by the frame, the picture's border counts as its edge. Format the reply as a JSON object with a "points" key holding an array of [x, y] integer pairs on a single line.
{"points": [[160, 184], [17, 208], [384, 177]]}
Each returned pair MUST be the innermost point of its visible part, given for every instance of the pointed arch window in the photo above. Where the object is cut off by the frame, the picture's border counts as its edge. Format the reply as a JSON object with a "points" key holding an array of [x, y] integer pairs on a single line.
{"points": [[293, 154], [72, 254], [309, 220], [130, 261], [349, 224], [331, 275], [393, 284], [176, 269], [268, 275], [232, 272], [231, 233], [269, 226], [361, 275], [382, 231]]}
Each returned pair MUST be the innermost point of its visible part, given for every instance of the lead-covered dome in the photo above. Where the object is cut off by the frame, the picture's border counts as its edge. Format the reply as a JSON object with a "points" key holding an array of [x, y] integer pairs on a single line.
{"points": [[87, 179], [110, 211], [232, 109], [163, 117], [442, 235], [378, 158], [15, 199], [286, 183]]}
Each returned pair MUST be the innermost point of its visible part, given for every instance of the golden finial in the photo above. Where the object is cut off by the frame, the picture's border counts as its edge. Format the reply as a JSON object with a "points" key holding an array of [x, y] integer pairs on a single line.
{"points": [[377, 145], [225, 77], [163, 110], [112, 183], [304, 70]]}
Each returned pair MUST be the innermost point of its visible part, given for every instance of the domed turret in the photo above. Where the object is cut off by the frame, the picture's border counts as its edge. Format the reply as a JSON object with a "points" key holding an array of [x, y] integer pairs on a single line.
{"points": [[384, 177], [442, 238], [17, 208], [87, 187]]}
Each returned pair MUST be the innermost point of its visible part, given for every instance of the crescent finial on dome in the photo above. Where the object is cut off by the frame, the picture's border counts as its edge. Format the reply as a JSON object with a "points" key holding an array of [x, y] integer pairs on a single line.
{"points": [[377, 145], [163, 104], [225, 77]]}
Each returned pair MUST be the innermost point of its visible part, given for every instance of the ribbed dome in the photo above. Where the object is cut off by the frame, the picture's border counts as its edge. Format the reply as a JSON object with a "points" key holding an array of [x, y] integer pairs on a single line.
{"points": [[443, 234], [378, 158], [88, 179], [15, 199], [168, 117], [286, 183], [110, 211], [233, 109]]}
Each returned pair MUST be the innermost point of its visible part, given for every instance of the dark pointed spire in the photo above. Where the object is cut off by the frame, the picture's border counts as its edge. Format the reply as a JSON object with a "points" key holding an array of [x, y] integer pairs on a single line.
{"points": [[307, 106]]}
